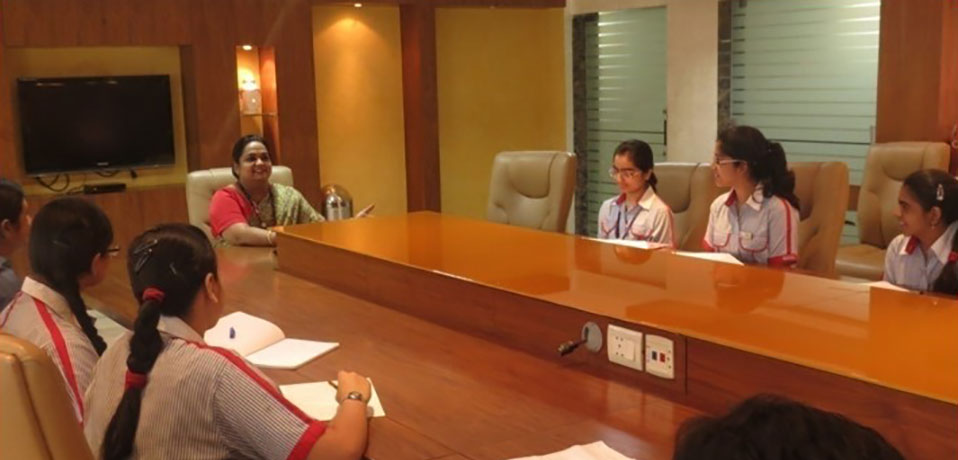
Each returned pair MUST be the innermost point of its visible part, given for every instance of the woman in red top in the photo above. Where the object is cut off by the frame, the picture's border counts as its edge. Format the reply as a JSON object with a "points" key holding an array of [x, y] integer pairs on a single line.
{"points": [[241, 213]]}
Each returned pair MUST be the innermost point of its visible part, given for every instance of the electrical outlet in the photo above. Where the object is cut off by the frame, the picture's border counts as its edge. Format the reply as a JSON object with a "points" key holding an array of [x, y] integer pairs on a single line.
{"points": [[624, 347], [659, 356]]}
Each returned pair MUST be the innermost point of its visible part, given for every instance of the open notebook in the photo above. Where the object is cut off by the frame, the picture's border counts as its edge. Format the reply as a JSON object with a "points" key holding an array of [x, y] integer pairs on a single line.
{"points": [[886, 285], [318, 400], [263, 343], [596, 451]]}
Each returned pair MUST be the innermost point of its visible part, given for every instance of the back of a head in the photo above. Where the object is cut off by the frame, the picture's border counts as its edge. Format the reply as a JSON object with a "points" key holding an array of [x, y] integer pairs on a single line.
{"points": [[66, 235], [11, 201], [768, 427], [174, 258], [168, 266]]}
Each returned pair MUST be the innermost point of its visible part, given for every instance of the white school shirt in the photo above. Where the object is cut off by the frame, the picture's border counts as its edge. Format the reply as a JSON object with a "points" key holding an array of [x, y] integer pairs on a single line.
{"points": [[650, 220], [42, 316], [199, 402], [764, 231], [906, 265]]}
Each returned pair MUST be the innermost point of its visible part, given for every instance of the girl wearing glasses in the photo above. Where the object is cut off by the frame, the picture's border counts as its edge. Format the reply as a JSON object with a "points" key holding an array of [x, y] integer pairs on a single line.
{"points": [[923, 257], [69, 251], [637, 213], [757, 220]]}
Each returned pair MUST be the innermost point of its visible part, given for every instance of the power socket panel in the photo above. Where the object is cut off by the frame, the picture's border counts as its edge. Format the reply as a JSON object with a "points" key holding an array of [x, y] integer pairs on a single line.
{"points": [[625, 347], [660, 356]]}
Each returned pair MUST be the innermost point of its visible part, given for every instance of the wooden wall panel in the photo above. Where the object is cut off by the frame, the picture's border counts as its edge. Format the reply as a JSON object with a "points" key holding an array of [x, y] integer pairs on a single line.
{"points": [[948, 94], [208, 32], [9, 164], [916, 88], [214, 97], [420, 107], [291, 36], [159, 23], [130, 212]]}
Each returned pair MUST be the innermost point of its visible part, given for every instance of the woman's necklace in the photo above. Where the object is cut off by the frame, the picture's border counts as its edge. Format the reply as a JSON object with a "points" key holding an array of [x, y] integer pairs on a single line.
{"points": [[263, 223]]}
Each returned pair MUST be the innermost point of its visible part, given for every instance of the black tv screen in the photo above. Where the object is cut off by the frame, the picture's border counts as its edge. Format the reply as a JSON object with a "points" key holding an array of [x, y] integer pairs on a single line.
{"points": [[95, 123]]}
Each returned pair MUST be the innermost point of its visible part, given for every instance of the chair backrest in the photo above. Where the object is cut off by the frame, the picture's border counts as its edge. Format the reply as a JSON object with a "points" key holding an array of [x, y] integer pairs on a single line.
{"points": [[36, 416], [886, 168], [202, 184], [822, 190], [532, 189], [689, 189]]}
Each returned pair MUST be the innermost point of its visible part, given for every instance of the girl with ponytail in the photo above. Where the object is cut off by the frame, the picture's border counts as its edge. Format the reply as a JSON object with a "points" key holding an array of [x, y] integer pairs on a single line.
{"points": [[757, 220], [69, 251], [923, 257], [637, 213], [160, 392]]}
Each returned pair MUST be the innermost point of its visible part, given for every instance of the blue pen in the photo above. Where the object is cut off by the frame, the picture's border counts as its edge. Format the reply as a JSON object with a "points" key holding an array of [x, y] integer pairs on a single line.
{"points": [[232, 333]]}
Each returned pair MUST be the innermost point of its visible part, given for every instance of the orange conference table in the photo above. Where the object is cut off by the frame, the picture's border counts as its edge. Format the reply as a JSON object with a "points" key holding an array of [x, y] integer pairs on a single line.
{"points": [[884, 358], [447, 395]]}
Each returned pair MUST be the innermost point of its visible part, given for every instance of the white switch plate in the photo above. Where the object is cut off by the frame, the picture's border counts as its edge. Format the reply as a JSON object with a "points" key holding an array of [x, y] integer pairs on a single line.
{"points": [[624, 347], [659, 356]]}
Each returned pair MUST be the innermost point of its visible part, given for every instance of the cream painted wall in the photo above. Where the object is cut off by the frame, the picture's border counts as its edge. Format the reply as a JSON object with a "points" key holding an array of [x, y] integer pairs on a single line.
{"points": [[358, 67], [114, 61], [501, 86], [692, 79]]}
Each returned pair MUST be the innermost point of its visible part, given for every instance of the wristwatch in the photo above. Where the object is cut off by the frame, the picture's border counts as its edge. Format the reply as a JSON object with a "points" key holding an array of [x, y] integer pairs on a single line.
{"points": [[356, 396]]}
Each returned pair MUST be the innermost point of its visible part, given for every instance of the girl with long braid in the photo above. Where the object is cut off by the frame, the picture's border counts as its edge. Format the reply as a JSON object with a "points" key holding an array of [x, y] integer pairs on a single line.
{"points": [[69, 252], [163, 393]]}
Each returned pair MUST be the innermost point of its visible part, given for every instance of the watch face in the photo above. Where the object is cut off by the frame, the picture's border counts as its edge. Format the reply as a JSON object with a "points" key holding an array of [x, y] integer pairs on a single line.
{"points": [[355, 395]]}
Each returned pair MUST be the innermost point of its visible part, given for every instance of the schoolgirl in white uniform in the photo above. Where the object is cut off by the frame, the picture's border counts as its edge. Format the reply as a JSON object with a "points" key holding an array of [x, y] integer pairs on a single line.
{"points": [[161, 392], [757, 220], [923, 257], [69, 251], [637, 213]]}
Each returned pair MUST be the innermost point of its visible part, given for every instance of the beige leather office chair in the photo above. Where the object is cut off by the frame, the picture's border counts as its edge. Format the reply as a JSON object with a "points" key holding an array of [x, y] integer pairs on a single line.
{"points": [[202, 184], [36, 416], [886, 167], [689, 189], [822, 189], [532, 189]]}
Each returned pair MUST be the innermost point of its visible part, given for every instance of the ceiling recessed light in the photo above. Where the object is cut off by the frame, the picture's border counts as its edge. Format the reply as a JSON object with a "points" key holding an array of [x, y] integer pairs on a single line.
{"points": [[358, 5], [247, 47]]}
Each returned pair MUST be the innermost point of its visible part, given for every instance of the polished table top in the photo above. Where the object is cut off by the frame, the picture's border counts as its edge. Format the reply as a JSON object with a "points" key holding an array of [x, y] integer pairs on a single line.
{"points": [[447, 395], [895, 339]]}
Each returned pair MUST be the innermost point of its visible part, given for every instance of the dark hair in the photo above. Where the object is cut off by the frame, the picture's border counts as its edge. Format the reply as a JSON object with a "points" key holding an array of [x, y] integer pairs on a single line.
{"points": [[67, 234], [768, 427], [174, 259], [640, 154], [924, 184], [11, 201], [766, 160], [241, 144]]}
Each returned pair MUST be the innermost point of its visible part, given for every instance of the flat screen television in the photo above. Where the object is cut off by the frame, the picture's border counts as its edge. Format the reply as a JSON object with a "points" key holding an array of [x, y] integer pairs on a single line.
{"points": [[95, 123]]}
